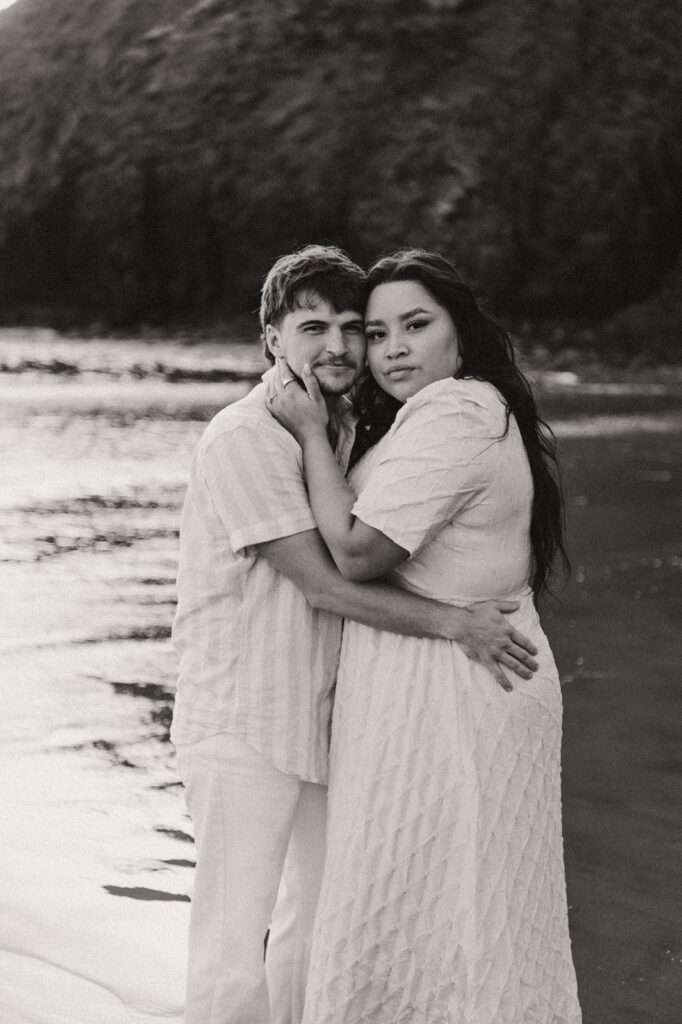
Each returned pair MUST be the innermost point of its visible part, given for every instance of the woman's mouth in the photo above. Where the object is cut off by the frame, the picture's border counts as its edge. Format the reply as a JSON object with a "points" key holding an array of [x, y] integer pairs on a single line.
{"points": [[399, 372]]}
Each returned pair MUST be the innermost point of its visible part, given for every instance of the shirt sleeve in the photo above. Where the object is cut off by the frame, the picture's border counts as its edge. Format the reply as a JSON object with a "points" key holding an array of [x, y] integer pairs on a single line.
{"points": [[254, 475], [437, 461]]}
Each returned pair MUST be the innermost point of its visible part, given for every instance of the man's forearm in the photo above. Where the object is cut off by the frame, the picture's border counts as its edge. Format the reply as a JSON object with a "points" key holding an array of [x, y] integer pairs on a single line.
{"points": [[481, 630], [390, 608], [304, 559]]}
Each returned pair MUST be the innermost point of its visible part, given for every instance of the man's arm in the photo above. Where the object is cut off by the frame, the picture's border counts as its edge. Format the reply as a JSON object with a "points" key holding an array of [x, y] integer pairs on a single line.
{"points": [[481, 630]]}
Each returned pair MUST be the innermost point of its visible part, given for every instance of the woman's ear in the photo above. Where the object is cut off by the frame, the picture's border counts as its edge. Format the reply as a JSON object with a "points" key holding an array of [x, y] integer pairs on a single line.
{"points": [[460, 360]]}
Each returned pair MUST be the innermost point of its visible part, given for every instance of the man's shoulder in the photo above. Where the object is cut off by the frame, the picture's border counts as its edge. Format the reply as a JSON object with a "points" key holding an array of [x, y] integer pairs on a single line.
{"points": [[247, 422], [244, 412]]}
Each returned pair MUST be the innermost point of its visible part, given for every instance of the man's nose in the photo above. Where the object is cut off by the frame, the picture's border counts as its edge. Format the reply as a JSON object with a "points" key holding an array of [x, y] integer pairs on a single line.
{"points": [[337, 343]]}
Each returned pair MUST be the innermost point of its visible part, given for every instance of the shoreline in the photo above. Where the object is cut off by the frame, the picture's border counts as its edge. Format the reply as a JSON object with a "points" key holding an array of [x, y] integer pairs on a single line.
{"points": [[587, 353]]}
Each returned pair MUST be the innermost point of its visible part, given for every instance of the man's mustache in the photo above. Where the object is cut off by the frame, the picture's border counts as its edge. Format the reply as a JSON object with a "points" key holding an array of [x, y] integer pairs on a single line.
{"points": [[350, 363]]}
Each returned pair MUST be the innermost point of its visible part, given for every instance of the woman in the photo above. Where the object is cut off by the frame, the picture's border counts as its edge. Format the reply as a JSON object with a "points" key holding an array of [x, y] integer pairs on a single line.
{"points": [[443, 900]]}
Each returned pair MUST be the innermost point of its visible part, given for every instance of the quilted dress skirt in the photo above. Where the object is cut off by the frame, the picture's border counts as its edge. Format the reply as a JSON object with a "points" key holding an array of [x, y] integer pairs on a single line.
{"points": [[444, 897]]}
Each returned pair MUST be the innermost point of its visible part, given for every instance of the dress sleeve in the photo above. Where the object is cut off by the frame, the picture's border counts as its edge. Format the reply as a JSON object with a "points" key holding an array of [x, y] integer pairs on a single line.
{"points": [[437, 461], [254, 475]]}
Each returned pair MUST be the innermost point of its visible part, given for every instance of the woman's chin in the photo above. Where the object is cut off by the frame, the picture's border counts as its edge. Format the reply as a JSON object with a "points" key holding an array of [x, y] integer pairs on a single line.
{"points": [[400, 390]]}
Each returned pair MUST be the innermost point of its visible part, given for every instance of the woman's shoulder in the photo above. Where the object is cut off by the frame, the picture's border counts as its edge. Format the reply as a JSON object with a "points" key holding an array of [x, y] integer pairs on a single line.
{"points": [[477, 404]]}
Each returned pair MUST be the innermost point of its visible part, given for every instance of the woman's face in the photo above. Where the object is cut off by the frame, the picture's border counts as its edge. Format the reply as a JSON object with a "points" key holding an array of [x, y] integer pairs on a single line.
{"points": [[411, 339]]}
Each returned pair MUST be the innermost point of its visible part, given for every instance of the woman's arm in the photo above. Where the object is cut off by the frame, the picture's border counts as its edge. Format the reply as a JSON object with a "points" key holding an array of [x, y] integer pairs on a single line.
{"points": [[482, 631], [360, 551]]}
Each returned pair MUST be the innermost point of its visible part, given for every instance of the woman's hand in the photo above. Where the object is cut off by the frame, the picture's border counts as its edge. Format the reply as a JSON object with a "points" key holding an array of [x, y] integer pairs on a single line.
{"points": [[301, 410]]}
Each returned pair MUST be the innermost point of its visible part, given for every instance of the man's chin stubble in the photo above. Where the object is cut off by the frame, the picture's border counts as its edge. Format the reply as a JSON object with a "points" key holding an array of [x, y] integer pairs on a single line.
{"points": [[335, 391]]}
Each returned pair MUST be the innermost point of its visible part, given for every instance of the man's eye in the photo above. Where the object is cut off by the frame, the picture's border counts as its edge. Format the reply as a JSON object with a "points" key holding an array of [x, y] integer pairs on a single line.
{"points": [[354, 329]]}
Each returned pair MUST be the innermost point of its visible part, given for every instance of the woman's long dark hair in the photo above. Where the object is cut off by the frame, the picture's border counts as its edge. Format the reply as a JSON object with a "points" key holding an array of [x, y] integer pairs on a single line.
{"points": [[487, 354]]}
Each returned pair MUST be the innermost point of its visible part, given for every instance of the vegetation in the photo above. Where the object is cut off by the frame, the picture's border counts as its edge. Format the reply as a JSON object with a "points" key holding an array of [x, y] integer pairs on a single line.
{"points": [[157, 156]]}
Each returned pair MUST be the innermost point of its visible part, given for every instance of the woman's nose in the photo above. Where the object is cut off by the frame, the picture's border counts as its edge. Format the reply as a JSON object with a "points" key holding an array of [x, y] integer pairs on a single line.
{"points": [[395, 344]]}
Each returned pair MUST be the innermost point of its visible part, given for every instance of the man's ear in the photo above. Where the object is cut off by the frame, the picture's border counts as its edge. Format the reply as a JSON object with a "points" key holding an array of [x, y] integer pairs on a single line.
{"points": [[272, 340]]}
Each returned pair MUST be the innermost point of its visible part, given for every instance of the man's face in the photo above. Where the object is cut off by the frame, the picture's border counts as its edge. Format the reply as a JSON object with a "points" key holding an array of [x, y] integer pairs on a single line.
{"points": [[333, 343]]}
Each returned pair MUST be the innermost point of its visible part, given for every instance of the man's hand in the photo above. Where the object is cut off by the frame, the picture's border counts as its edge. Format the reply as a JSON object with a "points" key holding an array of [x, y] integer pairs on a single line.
{"points": [[487, 636]]}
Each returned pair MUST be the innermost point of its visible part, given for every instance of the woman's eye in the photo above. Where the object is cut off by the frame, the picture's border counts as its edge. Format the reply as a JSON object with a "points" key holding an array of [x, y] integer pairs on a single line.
{"points": [[416, 325], [374, 335]]}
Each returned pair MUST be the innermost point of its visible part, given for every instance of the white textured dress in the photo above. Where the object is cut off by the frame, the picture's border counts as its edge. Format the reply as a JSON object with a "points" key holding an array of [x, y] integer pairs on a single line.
{"points": [[444, 898]]}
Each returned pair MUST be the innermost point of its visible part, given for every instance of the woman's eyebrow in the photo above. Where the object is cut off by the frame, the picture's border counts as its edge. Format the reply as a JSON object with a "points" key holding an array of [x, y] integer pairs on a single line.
{"points": [[402, 316], [412, 312]]}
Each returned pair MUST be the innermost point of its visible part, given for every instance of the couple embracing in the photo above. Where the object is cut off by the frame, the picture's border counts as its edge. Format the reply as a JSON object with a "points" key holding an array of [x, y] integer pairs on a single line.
{"points": [[367, 530]]}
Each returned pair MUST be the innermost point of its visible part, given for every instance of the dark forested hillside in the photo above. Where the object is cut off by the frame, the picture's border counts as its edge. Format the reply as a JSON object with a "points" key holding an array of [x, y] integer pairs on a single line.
{"points": [[154, 157]]}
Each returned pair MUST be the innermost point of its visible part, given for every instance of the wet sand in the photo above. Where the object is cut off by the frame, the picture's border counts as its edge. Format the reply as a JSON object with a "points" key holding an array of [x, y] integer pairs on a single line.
{"points": [[96, 844]]}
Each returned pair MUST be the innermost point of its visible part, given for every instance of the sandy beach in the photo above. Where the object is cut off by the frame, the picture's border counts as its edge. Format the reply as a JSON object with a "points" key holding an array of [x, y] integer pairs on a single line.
{"points": [[96, 846]]}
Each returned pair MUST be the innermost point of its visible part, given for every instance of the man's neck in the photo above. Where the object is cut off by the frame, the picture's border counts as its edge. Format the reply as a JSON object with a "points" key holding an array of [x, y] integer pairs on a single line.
{"points": [[332, 402]]}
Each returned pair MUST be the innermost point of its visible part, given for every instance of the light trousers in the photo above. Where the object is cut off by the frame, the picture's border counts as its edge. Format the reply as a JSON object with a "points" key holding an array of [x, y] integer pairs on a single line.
{"points": [[249, 818]]}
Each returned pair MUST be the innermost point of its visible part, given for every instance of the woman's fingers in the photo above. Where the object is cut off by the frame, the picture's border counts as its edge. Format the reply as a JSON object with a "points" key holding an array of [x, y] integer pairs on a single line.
{"points": [[311, 384], [296, 404], [283, 373], [278, 373]]}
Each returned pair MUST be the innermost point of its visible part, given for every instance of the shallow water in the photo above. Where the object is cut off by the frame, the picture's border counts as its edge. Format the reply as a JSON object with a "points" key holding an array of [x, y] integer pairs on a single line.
{"points": [[95, 439], [616, 634]]}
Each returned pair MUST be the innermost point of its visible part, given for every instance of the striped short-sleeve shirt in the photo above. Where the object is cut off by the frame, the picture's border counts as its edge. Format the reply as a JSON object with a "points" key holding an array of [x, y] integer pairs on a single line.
{"points": [[255, 659]]}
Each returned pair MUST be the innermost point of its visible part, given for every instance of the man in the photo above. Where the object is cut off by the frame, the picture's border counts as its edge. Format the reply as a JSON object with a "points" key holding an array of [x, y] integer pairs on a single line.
{"points": [[258, 630]]}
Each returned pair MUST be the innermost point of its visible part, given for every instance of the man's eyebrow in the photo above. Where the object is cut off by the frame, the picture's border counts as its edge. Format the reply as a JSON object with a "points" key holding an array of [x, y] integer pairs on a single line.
{"points": [[312, 322], [316, 322], [402, 316]]}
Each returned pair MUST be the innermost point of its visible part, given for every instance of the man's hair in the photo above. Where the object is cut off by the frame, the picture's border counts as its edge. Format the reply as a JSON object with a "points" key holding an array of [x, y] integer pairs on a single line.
{"points": [[317, 271]]}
